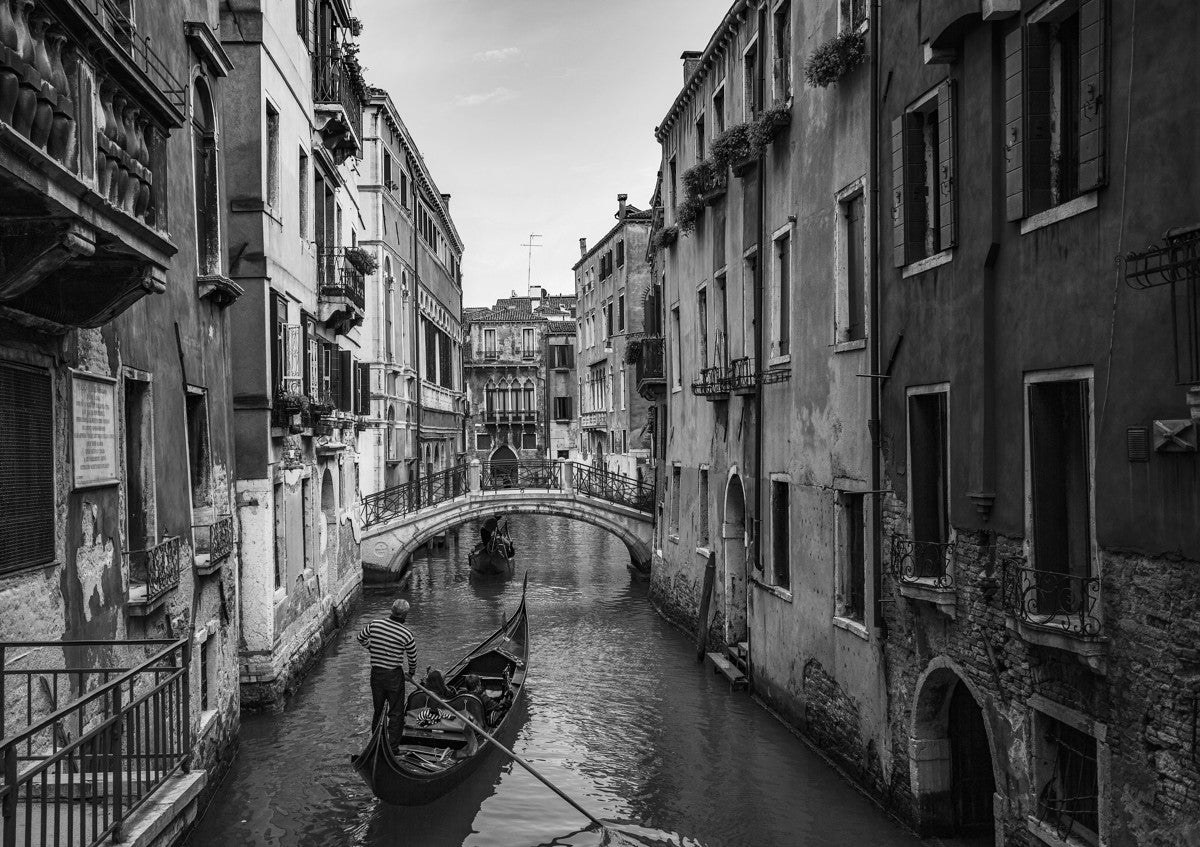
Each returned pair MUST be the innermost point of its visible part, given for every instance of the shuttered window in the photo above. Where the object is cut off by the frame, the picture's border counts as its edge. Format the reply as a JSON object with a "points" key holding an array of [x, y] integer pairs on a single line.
{"points": [[27, 468], [924, 190]]}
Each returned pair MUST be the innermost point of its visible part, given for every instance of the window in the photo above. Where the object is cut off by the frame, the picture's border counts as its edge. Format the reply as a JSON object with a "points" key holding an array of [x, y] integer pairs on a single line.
{"points": [[208, 201], [608, 322], [205, 676], [718, 111], [851, 551], [404, 189], [527, 392], [278, 320], [304, 194], [387, 171], [621, 312], [928, 473], [852, 14], [751, 84], [489, 343], [702, 330], [529, 441], [702, 534], [783, 52], [1067, 779], [700, 138], [199, 457], [483, 441], [620, 254], [1060, 486], [676, 362], [781, 551], [673, 181], [1055, 107], [562, 356], [139, 464], [623, 390], [272, 174], [852, 318], [781, 343], [923, 181], [528, 346], [280, 538], [562, 408], [673, 521], [27, 472]]}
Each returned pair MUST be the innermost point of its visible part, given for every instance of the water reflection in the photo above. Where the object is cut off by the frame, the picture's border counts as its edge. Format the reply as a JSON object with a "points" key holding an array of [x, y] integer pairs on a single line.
{"points": [[618, 714]]}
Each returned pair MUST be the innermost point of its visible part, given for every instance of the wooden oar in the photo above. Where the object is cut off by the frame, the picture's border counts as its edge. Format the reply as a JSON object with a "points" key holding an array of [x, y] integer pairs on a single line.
{"points": [[510, 753]]}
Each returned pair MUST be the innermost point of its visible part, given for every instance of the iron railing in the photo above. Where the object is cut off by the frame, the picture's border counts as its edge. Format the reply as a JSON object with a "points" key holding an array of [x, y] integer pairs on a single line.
{"points": [[73, 774], [154, 571], [336, 277], [400, 500], [137, 47], [614, 487], [740, 374], [928, 562], [214, 539], [333, 82], [1175, 263], [535, 473], [1052, 599], [651, 364]]}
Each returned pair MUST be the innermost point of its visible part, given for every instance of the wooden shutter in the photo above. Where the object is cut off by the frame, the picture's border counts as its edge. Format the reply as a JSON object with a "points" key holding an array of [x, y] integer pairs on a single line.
{"points": [[907, 165], [1091, 94], [1014, 129], [947, 201], [364, 388], [1038, 121], [27, 470], [345, 371], [334, 376]]}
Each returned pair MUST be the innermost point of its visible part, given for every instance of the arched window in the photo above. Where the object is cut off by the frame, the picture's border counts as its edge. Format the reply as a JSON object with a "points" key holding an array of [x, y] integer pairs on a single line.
{"points": [[389, 435], [518, 397], [528, 392], [489, 394], [389, 305], [204, 171], [505, 405]]}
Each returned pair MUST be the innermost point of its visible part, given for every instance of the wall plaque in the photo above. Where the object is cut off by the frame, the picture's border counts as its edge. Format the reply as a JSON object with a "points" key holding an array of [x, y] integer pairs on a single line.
{"points": [[94, 430]]}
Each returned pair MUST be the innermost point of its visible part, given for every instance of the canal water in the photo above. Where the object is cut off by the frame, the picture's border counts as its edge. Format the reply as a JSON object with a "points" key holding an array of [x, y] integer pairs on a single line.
{"points": [[618, 714]]}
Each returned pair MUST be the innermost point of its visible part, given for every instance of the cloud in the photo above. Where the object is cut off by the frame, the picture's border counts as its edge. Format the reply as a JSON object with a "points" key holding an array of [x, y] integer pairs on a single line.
{"points": [[496, 95], [500, 54]]}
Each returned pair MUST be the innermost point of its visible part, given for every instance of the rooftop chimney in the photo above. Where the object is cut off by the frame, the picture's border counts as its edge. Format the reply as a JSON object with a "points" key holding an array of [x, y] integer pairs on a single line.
{"points": [[446, 201], [582, 247], [691, 61], [621, 198]]}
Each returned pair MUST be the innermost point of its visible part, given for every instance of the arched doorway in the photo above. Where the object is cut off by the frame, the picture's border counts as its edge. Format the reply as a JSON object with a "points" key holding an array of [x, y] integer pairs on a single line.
{"points": [[329, 508], [733, 535], [951, 758], [502, 468]]}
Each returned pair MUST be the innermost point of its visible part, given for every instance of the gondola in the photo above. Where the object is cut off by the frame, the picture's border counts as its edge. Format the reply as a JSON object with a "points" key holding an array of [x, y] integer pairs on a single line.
{"points": [[436, 751], [493, 557]]}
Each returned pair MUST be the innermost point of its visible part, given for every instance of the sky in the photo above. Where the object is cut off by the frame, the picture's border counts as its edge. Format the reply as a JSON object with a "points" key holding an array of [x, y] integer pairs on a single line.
{"points": [[534, 115]]}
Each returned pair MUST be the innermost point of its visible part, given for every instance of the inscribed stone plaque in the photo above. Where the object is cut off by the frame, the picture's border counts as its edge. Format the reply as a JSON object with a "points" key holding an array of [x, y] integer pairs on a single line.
{"points": [[94, 431]]}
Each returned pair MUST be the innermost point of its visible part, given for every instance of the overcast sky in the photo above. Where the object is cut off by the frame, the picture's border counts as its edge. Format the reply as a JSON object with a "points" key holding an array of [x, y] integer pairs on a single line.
{"points": [[534, 115]]}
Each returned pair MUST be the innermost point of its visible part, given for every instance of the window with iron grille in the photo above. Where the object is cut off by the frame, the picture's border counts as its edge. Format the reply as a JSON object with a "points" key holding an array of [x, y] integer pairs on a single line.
{"points": [[1068, 784], [27, 472]]}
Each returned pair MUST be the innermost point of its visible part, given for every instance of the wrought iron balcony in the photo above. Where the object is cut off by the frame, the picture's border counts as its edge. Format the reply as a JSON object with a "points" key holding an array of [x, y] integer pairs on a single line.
{"points": [[338, 95], [85, 110], [214, 543], [923, 562], [151, 574], [510, 416], [650, 371], [740, 376], [713, 383], [341, 289], [1052, 600]]}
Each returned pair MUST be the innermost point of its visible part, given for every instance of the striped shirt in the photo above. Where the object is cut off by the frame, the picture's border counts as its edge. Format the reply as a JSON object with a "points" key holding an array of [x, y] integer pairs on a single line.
{"points": [[389, 643]]}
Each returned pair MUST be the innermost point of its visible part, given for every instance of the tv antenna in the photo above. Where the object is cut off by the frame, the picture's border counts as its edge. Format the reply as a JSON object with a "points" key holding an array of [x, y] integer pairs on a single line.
{"points": [[529, 269]]}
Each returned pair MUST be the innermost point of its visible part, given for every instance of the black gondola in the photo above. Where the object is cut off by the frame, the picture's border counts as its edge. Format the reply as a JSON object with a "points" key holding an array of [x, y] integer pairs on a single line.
{"points": [[493, 556], [437, 753]]}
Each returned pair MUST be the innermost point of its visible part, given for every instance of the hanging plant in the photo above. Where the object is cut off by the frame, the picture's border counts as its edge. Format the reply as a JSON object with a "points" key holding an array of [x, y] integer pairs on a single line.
{"points": [[834, 59], [768, 125], [364, 261], [687, 212], [633, 352], [665, 237], [731, 146], [700, 178]]}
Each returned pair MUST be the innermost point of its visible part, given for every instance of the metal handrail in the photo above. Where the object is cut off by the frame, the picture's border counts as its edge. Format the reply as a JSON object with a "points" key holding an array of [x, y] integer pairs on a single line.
{"points": [[1052, 599], [409, 497], [157, 567], [614, 487], [526, 473], [215, 538]]}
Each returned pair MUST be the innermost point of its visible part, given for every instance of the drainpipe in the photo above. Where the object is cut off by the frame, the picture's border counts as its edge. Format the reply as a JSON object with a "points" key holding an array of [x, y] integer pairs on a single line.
{"points": [[873, 424], [416, 307], [759, 345]]}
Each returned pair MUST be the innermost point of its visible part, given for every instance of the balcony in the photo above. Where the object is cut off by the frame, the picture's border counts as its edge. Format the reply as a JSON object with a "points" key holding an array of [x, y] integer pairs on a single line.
{"points": [[740, 376], [496, 416], [925, 571], [650, 371], [342, 290], [214, 544], [338, 95], [152, 573], [1055, 609], [85, 110], [594, 420]]}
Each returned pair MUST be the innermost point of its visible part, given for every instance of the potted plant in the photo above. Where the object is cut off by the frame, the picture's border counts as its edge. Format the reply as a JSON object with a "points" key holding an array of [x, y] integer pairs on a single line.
{"points": [[732, 147], [364, 261], [290, 401], [768, 125], [835, 58], [688, 212], [666, 236]]}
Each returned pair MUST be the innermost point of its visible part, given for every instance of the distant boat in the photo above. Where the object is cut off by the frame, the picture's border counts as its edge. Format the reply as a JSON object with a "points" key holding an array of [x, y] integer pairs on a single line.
{"points": [[493, 556], [437, 752]]}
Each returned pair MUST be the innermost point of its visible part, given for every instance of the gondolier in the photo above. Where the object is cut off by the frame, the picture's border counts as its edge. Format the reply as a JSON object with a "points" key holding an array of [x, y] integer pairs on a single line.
{"points": [[393, 656]]}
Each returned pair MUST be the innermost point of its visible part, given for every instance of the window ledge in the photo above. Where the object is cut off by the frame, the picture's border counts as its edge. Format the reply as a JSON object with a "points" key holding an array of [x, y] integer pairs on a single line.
{"points": [[781, 593], [674, 539], [852, 626], [848, 346], [1092, 650], [677, 389], [776, 361], [928, 263], [1082, 203], [703, 551], [927, 591], [1047, 835]]}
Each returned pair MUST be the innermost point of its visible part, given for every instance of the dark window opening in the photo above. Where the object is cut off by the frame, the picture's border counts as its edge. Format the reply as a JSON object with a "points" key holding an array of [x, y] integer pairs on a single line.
{"points": [[781, 550], [854, 556], [27, 469], [930, 486], [1068, 797], [139, 487], [199, 458], [856, 280]]}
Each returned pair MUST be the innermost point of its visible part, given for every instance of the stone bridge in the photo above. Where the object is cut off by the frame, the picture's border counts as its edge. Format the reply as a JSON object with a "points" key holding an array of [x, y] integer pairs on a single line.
{"points": [[396, 521]]}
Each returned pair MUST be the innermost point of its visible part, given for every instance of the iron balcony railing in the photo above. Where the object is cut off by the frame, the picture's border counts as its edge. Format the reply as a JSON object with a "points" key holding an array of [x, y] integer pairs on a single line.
{"points": [[336, 277], [713, 383], [740, 375], [508, 416], [333, 83], [651, 364], [1051, 599], [153, 571], [93, 744], [614, 487], [927, 562], [535, 473], [400, 500], [214, 541]]}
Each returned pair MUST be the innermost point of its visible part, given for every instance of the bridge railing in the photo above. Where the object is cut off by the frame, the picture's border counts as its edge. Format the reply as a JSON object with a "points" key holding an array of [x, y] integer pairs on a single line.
{"points": [[614, 487], [400, 500], [536, 473]]}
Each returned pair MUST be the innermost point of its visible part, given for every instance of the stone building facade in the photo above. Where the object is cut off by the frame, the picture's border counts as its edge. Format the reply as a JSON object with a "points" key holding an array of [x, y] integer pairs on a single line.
{"points": [[520, 363], [116, 404], [410, 404], [301, 388], [611, 279]]}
